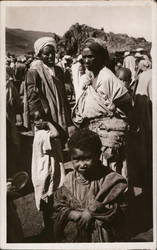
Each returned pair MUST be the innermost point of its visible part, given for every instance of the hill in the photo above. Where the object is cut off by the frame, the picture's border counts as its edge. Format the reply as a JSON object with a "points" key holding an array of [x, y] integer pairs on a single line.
{"points": [[77, 34], [19, 41]]}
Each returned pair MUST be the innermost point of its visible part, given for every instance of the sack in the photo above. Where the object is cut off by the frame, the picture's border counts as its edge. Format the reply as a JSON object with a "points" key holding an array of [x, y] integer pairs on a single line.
{"points": [[111, 124]]}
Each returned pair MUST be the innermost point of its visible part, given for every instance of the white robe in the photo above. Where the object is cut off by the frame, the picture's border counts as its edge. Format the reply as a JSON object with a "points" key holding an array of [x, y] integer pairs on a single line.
{"points": [[47, 167]]}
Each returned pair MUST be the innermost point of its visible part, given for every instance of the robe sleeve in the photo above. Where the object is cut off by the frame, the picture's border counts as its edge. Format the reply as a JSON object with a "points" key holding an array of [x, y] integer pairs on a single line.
{"points": [[33, 83], [111, 197], [60, 76], [110, 85], [61, 210]]}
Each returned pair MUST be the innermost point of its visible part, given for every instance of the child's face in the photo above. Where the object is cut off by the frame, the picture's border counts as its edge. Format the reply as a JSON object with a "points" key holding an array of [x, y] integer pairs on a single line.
{"points": [[125, 81], [84, 161]]}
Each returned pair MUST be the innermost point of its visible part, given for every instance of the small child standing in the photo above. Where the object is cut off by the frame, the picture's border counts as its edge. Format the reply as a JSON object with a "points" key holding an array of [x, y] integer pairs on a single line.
{"points": [[88, 207]]}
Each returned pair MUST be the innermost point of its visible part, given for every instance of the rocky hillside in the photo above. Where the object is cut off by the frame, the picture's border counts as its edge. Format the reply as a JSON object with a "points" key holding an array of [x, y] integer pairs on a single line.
{"points": [[75, 36], [20, 42]]}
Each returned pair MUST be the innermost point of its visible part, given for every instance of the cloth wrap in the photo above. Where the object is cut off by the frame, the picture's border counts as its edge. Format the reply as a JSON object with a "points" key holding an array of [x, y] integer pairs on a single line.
{"points": [[42, 42], [47, 166], [102, 120]]}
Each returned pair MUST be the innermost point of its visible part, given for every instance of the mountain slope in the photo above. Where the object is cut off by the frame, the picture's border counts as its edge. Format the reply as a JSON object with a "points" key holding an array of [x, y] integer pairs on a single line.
{"points": [[19, 41], [77, 34]]}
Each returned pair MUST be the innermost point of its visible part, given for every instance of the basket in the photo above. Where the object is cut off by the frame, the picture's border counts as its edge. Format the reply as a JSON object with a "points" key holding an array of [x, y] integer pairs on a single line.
{"points": [[20, 180]]}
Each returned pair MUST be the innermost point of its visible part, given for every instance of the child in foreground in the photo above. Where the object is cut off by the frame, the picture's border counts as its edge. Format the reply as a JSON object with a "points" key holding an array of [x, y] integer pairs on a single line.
{"points": [[87, 208]]}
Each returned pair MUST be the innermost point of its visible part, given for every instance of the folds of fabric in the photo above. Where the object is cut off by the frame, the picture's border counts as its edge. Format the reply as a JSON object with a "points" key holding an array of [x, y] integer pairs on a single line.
{"points": [[96, 109], [100, 196], [129, 62], [43, 42], [110, 129], [99, 101], [45, 92], [90, 105], [47, 167], [53, 95]]}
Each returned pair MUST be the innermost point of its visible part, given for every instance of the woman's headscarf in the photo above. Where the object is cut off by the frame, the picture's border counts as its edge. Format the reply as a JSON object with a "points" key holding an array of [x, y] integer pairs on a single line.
{"points": [[42, 42], [99, 48]]}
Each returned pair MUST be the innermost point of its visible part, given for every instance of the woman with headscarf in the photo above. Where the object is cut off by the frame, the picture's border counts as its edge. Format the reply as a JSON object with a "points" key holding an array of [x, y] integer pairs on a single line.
{"points": [[103, 104], [45, 92]]}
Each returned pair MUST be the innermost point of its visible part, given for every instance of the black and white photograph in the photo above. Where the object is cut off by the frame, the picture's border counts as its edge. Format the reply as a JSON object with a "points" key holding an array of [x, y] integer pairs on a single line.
{"points": [[78, 125]]}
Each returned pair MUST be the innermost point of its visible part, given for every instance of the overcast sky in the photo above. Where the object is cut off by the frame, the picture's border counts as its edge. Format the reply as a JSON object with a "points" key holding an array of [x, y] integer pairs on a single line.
{"points": [[133, 20]]}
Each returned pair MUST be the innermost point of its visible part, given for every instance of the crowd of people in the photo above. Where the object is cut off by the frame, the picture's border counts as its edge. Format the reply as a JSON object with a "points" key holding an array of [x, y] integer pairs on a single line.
{"points": [[102, 115]]}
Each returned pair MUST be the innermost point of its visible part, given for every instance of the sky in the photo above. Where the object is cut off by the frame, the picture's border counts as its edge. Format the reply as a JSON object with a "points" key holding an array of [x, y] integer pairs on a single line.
{"points": [[132, 20]]}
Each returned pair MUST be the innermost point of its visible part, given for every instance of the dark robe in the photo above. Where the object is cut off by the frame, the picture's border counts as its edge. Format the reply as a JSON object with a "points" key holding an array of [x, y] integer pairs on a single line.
{"points": [[102, 196], [46, 93]]}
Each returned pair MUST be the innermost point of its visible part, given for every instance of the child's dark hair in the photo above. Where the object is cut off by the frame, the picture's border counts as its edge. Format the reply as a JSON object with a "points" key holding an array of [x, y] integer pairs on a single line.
{"points": [[85, 139]]}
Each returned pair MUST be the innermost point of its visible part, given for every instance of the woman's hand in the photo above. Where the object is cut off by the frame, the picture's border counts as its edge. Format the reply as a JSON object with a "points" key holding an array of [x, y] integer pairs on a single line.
{"points": [[71, 130], [74, 215], [85, 220]]}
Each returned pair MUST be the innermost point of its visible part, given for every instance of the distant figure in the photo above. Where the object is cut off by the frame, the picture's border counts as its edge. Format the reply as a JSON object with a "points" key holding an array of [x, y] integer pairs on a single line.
{"points": [[143, 53], [117, 67], [20, 72], [140, 143], [10, 74], [142, 66], [65, 64], [13, 62], [129, 62], [77, 71], [142, 61]]}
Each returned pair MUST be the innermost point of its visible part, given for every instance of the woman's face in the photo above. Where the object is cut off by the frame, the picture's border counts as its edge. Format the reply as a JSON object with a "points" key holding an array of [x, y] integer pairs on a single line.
{"points": [[48, 55], [89, 59]]}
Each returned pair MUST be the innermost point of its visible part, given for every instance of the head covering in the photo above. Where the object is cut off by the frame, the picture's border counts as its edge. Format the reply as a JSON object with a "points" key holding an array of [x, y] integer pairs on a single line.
{"points": [[143, 63], [67, 57], [126, 53], [43, 42], [138, 55], [139, 49], [21, 59]]}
